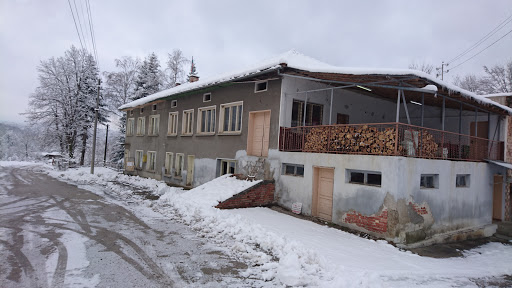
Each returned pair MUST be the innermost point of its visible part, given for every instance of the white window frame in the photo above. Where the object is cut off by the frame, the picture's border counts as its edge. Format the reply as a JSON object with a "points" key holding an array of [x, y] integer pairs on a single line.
{"points": [[151, 161], [296, 168], [200, 119], [141, 110], [204, 97], [141, 126], [154, 107], [228, 162], [174, 103], [172, 126], [435, 181], [178, 167], [131, 112], [238, 118], [365, 179], [139, 158], [169, 158], [154, 125], [467, 180], [130, 126], [187, 120], [256, 86]]}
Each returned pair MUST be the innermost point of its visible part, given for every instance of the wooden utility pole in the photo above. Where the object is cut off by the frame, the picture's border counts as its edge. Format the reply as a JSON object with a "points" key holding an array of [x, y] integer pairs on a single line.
{"points": [[442, 70], [106, 144], [95, 126]]}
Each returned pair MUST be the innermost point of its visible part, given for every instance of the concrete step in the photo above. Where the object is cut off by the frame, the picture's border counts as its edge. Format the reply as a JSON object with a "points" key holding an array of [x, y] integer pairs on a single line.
{"points": [[504, 228]]}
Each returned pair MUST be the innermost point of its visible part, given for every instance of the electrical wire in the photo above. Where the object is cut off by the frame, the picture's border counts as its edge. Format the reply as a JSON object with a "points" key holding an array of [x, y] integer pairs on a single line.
{"points": [[78, 32], [80, 24], [91, 29], [480, 51], [494, 31]]}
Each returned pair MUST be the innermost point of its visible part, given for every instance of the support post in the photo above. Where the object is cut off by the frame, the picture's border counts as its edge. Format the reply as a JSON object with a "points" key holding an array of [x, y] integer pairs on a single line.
{"points": [[95, 126], [476, 122], [330, 112], [398, 108], [460, 131], [422, 108], [106, 145], [443, 113], [405, 107], [304, 113]]}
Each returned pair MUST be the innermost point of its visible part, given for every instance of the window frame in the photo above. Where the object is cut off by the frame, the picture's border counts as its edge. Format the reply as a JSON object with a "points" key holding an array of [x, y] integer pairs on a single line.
{"points": [[212, 121], [139, 159], [467, 180], [184, 123], [175, 124], [177, 166], [151, 161], [435, 181], [238, 118], [174, 103], [131, 112], [300, 114], [204, 97], [154, 107], [141, 129], [295, 168], [130, 126], [154, 130], [168, 165], [228, 166], [141, 110], [258, 83], [365, 177]]}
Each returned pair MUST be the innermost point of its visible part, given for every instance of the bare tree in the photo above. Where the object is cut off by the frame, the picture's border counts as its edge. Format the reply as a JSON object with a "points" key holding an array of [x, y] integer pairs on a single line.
{"points": [[423, 66], [498, 79], [120, 85], [175, 71], [469, 82]]}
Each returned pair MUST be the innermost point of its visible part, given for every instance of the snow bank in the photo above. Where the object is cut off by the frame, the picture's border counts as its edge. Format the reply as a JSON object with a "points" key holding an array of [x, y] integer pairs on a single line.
{"points": [[284, 250]]}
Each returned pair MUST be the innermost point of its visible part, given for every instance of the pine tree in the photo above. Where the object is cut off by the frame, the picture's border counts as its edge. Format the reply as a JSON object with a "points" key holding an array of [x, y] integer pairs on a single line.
{"points": [[193, 72], [149, 78]]}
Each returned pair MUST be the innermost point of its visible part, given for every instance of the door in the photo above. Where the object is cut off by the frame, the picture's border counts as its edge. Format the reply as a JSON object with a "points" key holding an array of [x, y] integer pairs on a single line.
{"points": [[323, 184], [259, 132], [479, 146], [497, 197], [190, 169]]}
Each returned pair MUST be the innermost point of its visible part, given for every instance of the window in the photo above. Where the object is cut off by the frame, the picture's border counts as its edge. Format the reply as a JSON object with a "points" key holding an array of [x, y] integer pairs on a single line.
{"points": [[207, 97], [260, 86], [141, 110], [131, 112], [130, 127], [174, 103], [429, 181], [151, 164], [231, 118], [154, 107], [293, 169], [188, 122], [462, 180], [141, 126], [180, 158], [227, 166], [206, 120], [172, 124], [154, 124], [372, 178], [314, 114], [139, 158], [168, 163]]}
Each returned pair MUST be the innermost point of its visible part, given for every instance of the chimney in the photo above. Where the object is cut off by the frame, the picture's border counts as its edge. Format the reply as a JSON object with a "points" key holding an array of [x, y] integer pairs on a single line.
{"points": [[193, 78], [177, 84]]}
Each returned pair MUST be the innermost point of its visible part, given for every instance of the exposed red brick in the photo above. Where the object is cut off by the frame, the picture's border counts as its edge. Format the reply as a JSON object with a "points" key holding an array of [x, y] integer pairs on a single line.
{"points": [[377, 223], [261, 194]]}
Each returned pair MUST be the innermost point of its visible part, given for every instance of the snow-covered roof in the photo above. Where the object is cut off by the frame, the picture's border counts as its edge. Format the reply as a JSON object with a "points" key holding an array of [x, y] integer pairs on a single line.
{"points": [[296, 60], [498, 95]]}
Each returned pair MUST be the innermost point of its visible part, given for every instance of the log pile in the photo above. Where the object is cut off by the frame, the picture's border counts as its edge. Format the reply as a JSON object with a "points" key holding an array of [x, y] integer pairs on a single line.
{"points": [[366, 140]]}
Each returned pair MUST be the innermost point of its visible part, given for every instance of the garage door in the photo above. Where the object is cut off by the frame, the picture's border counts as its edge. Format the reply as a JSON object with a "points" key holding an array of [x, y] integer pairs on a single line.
{"points": [[324, 182]]}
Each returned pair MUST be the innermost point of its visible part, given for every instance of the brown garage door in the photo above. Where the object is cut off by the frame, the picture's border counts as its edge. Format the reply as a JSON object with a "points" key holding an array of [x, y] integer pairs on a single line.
{"points": [[322, 193]]}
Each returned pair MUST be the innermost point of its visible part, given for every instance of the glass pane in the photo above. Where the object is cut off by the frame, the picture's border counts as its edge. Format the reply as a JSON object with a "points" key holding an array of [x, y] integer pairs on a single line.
{"points": [[374, 179], [213, 120], [232, 165], [239, 122], [357, 177], [203, 120], [209, 121], [290, 170], [226, 118], [223, 168], [300, 171], [297, 113], [233, 118]]}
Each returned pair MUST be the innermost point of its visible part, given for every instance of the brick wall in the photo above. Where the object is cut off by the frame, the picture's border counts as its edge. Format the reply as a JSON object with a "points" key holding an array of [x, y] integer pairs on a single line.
{"points": [[261, 194], [377, 223], [419, 209]]}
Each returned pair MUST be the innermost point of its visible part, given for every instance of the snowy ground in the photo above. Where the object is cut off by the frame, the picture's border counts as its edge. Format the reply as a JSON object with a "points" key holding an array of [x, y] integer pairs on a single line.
{"points": [[286, 251]]}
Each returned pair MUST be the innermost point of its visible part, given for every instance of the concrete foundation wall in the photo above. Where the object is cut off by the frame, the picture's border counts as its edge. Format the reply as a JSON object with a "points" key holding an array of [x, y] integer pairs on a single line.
{"points": [[411, 212]]}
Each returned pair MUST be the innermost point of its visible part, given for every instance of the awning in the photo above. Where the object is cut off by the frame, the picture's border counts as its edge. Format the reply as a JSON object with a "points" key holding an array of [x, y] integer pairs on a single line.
{"points": [[500, 163]]}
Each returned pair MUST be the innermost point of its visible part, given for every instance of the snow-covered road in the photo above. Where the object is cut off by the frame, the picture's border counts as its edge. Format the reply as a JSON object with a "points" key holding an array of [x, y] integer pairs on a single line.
{"points": [[53, 234]]}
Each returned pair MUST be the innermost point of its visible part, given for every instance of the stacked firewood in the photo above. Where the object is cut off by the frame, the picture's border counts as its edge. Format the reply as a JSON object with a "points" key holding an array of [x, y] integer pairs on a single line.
{"points": [[367, 140]]}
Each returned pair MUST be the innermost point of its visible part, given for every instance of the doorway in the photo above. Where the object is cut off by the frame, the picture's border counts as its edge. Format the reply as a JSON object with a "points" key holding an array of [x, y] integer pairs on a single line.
{"points": [[259, 132], [323, 183], [497, 197]]}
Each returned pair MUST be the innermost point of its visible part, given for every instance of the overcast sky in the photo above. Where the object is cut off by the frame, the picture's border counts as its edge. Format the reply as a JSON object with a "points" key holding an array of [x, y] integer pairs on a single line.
{"points": [[226, 35]]}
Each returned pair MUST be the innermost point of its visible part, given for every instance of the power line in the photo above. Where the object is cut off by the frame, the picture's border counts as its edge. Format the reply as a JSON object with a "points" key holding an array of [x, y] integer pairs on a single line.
{"points": [[494, 31], [78, 32], [80, 23], [91, 29], [481, 51]]}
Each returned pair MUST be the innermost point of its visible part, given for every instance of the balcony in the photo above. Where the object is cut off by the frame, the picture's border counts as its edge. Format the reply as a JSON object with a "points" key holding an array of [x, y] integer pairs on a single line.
{"points": [[389, 139]]}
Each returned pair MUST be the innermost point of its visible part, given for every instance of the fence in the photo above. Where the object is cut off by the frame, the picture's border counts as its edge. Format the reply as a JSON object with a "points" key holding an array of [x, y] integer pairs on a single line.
{"points": [[392, 139]]}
